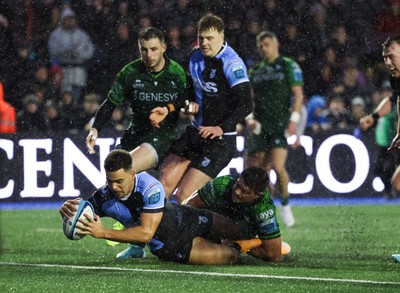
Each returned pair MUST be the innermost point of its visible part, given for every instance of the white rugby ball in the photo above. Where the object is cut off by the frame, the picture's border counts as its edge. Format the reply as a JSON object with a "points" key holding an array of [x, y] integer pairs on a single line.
{"points": [[69, 224]]}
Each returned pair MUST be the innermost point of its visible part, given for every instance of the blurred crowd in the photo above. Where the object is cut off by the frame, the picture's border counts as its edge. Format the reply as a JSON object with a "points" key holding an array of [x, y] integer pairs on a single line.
{"points": [[59, 57]]}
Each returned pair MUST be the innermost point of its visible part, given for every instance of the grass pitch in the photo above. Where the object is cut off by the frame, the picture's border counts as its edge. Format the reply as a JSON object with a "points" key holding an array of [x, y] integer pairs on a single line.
{"points": [[334, 249]]}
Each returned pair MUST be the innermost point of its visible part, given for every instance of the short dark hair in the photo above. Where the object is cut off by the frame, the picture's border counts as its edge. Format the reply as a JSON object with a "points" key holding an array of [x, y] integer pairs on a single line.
{"points": [[265, 34], [151, 33], [390, 41], [256, 179], [210, 21], [118, 159]]}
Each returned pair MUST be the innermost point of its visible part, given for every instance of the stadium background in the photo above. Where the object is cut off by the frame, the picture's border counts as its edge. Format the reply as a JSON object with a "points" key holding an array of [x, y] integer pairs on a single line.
{"points": [[325, 37]]}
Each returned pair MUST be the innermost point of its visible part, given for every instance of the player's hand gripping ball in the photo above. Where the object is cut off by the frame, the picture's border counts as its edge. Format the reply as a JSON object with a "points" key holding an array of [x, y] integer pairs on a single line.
{"points": [[69, 224]]}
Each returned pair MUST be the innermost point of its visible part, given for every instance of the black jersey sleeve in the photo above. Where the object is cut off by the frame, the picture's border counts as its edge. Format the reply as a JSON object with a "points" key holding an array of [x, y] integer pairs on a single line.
{"points": [[241, 105], [395, 84], [103, 114]]}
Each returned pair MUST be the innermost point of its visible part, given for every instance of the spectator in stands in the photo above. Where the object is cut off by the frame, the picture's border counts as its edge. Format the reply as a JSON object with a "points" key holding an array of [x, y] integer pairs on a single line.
{"points": [[317, 114], [271, 15], [42, 81], [352, 83], [122, 50], [52, 117], [292, 42], [118, 121], [341, 43], [338, 115], [30, 117], [247, 47], [7, 114], [328, 75], [68, 111], [176, 48], [388, 21], [357, 110], [71, 47], [90, 105]]}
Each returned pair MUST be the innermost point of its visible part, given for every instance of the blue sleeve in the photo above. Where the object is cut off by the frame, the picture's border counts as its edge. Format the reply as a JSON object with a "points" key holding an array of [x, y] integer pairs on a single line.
{"points": [[235, 71], [153, 196]]}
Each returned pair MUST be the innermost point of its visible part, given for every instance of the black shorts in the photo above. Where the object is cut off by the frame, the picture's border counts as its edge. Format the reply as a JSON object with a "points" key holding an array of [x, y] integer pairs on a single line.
{"points": [[207, 155], [179, 226]]}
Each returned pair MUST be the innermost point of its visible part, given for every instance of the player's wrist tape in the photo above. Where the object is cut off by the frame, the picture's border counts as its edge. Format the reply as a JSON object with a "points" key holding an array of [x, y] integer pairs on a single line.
{"points": [[170, 107], [376, 117], [295, 117]]}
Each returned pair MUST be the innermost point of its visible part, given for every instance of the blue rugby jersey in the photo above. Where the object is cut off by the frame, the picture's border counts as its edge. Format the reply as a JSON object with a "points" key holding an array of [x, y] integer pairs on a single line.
{"points": [[148, 196], [213, 80]]}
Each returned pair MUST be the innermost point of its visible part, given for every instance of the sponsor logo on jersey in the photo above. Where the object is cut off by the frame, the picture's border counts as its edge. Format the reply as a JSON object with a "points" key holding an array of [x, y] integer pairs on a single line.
{"points": [[238, 72], [154, 197], [155, 83], [210, 87], [265, 215], [203, 220], [138, 84], [205, 162], [156, 97]]}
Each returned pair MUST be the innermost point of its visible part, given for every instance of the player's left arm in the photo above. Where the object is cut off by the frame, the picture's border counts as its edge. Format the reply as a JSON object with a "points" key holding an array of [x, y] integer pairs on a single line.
{"points": [[270, 250], [295, 116]]}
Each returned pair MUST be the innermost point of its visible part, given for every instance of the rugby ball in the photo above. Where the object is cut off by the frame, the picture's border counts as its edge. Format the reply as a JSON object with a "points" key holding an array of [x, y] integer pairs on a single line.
{"points": [[69, 224]]}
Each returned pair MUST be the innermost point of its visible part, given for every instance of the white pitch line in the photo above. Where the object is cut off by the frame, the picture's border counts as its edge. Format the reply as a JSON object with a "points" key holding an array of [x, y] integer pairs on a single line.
{"points": [[214, 274]]}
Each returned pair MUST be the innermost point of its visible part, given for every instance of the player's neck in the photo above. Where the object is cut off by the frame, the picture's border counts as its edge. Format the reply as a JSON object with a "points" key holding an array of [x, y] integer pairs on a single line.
{"points": [[272, 58], [159, 67]]}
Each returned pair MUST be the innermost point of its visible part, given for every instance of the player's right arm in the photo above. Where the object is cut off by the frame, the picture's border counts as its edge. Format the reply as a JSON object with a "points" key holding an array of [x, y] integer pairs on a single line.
{"points": [[103, 114], [384, 108]]}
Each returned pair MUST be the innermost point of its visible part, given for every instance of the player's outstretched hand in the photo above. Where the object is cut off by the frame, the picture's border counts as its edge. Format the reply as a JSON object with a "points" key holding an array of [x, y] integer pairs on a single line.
{"points": [[91, 140], [69, 207], [157, 115], [366, 122], [395, 146]]}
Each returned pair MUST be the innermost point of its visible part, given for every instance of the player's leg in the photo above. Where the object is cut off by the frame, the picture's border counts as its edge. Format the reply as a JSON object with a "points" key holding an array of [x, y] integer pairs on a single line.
{"points": [[278, 159], [144, 157], [192, 180], [205, 252], [172, 170]]}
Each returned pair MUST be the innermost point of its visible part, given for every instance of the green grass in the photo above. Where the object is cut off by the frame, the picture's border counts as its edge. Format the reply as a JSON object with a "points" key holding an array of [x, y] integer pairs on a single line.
{"points": [[328, 242]]}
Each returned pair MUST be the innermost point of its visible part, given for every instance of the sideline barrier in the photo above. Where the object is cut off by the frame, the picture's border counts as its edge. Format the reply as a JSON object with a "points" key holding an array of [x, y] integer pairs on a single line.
{"points": [[56, 166]]}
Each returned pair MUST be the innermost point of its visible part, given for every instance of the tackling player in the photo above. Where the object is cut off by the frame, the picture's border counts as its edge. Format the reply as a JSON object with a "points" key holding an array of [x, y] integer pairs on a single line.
{"points": [[275, 80], [173, 232], [222, 99], [245, 198], [391, 57]]}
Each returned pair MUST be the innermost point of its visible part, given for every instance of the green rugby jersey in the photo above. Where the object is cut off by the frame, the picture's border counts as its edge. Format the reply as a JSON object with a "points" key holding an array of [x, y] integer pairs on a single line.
{"points": [[260, 215], [272, 84], [144, 91]]}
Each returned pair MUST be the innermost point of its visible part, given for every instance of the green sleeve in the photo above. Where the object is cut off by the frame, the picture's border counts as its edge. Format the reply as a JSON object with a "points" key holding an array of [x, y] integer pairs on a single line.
{"points": [[216, 190], [295, 73]]}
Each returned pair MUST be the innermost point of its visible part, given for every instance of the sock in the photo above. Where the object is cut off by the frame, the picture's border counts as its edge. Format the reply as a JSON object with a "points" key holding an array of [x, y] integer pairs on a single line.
{"points": [[285, 201]]}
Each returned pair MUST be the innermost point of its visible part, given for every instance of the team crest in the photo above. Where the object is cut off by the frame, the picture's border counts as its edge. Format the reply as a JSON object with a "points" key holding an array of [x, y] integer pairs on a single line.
{"points": [[212, 74]]}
